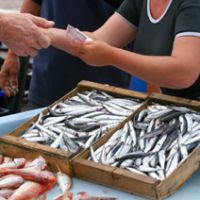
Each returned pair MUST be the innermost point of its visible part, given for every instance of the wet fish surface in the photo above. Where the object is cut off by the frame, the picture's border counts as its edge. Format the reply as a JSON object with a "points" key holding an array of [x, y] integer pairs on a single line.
{"points": [[78, 122], [153, 143]]}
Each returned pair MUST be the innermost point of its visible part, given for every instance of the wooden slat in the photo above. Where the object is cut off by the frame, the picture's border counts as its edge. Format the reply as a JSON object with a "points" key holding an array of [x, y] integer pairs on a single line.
{"points": [[157, 97], [115, 178], [134, 183], [183, 172], [111, 89], [93, 172], [29, 151]]}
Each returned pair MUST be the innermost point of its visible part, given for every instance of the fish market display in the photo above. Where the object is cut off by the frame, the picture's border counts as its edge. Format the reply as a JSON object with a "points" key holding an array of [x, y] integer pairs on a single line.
{"points": [[24, 180], [78, 122], [153, 143]]}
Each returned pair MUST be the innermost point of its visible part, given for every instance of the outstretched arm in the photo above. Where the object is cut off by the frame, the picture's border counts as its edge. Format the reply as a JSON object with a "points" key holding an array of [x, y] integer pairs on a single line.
{"points": [[109, 32], [177, 71]]}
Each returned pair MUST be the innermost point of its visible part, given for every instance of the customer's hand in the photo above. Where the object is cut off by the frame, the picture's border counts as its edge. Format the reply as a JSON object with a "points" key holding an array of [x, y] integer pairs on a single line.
{"points": [[9, 74], [22, 33]]}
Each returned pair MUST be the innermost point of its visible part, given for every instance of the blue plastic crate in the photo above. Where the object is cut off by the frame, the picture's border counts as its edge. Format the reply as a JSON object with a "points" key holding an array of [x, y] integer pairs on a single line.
{"points": [[138, 85]]}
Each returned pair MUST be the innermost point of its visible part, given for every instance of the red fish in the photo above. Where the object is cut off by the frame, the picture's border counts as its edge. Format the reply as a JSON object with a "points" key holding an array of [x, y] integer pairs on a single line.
{"points": [[32, 174], [30, 190], [11, 181], [38, 162], [6, 193], [17, 163]]}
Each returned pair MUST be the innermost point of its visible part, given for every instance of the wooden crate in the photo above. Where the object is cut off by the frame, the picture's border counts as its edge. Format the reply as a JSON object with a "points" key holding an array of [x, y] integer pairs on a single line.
{"points": [[171, 100], [58, 158], [16, 151], [134, 183]]}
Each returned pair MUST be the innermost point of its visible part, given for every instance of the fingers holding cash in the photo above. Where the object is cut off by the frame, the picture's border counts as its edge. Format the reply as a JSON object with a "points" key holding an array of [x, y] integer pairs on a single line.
{"points": [[92, 52], [76, 35]]}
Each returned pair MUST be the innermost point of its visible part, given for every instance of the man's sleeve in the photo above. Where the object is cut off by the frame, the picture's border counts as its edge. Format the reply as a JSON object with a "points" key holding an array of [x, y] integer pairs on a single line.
{"points": [[38, 1], [188, 19], [129, 11]]}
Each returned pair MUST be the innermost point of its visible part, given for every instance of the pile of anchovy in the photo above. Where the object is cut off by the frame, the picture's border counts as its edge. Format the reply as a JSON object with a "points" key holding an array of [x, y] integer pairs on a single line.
{"points": [[78, 122], [153, 143]]}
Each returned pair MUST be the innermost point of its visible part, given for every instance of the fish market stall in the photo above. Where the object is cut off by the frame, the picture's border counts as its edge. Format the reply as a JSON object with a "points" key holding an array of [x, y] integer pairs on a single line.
{"points": [[190, 190], [87, 114], [144, 145]]}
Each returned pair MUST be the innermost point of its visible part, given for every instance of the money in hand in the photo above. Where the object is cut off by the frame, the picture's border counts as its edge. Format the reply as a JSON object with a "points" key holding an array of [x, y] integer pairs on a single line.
{"points": [[76, 35]]}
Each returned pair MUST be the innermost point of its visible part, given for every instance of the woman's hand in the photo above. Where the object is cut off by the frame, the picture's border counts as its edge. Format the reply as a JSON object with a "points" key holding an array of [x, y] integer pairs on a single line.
{"points": [[95, 53], [9, 74]]}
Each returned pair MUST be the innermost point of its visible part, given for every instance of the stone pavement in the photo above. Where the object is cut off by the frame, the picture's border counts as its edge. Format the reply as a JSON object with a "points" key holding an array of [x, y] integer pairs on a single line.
{"points": [[10, 4]]}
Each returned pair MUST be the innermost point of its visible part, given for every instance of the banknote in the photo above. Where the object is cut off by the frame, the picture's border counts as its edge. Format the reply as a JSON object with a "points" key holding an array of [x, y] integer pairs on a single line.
{"points": [[76, 35]]}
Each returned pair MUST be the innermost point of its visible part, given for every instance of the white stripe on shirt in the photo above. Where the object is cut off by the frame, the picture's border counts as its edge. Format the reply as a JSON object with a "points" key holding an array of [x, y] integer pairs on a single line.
{"points": [[196, 34]]}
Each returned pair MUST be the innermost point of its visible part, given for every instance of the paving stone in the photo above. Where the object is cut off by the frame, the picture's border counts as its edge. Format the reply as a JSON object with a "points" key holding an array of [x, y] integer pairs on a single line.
{"points": [[10, 4]]}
